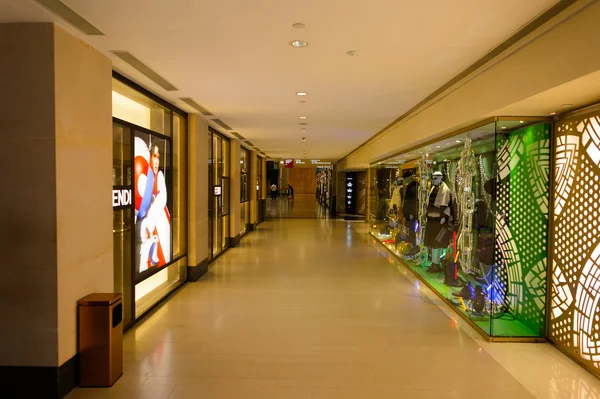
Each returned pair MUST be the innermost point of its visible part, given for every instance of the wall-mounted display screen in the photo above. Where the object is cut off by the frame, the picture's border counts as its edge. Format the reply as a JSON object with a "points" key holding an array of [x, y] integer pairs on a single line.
{"points": [[153, 230]]}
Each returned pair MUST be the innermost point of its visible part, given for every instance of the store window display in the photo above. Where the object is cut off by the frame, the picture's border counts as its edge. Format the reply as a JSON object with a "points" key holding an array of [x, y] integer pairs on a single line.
{"points": [[149, 197], [462, 227]]}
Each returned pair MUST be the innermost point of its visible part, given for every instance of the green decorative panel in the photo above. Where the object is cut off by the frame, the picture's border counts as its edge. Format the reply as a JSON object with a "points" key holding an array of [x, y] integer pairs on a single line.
{"points": [[575, 307], [522, 224]]}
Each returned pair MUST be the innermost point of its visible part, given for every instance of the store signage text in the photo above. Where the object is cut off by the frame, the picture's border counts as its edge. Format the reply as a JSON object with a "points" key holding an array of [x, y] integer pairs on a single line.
{"points": [[218, 191], [121, 197], [350, 192], [306, 163]]}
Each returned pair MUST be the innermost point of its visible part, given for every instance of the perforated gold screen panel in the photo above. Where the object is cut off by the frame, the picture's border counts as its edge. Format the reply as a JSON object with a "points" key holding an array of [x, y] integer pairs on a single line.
{"points": [[575, 307]]}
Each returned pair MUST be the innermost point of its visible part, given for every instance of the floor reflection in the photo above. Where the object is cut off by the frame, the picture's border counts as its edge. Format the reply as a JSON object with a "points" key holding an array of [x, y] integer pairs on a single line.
{"points": [[303, 206]]}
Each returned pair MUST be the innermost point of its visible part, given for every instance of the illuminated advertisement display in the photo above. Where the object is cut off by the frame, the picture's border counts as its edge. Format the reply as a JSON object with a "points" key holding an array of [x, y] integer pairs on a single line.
{"points": [[152, 216]]}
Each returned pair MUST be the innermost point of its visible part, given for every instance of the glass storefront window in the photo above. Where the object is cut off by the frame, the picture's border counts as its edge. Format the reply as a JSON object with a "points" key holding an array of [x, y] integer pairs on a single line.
{"points": [[134, 107], [244, 172], [468, 215], [219, 159], [150, 291], [149, 197]]}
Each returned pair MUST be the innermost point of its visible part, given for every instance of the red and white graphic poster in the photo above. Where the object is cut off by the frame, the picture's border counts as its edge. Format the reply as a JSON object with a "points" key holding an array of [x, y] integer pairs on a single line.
{"points": [[152, 217], [288, 163]]}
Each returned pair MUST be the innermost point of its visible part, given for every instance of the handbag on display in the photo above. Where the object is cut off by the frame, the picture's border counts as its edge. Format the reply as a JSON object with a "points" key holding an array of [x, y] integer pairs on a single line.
{"points": [[485, 248], [443, 235]]}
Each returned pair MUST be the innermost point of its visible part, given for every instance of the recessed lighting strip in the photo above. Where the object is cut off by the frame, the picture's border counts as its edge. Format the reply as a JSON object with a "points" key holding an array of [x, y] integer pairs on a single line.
{"points": [[68, 14]]}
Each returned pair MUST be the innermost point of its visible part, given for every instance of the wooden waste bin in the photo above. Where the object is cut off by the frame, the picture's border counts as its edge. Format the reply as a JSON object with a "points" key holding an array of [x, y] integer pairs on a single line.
{"points": [[100, 339]]}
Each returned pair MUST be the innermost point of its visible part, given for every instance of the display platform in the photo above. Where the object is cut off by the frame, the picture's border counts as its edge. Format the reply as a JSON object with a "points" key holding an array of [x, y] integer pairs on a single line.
{"points": [[504, 327]]}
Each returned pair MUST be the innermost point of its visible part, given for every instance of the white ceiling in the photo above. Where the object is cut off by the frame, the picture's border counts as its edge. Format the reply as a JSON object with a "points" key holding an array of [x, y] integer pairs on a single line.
{"points": [[233, 57]]}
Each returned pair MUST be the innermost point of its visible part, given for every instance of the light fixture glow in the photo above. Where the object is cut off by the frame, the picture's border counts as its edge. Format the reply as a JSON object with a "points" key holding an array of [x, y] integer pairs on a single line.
{"points": [[301, 93], [521, 121], [503, 127], [298, 43], [552, 113], [302, 117], [458, 141]]}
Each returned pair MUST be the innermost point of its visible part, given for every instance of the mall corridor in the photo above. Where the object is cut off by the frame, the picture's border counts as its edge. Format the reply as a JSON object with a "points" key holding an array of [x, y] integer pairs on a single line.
{"points": [[313, 309]]}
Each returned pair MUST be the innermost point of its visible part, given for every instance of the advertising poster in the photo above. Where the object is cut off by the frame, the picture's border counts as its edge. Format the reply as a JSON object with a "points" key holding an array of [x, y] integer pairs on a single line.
{"points": [[152, 216]]}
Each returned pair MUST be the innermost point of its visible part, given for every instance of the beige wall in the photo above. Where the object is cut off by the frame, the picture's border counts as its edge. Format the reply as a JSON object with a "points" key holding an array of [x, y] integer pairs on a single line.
{"points": [[28, 290], [198, 184], [540, 62], [83, 81], [55, 117]]}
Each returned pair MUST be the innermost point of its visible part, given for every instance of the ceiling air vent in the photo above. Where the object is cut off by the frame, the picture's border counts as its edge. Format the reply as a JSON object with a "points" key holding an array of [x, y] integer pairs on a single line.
{"points": [[68, 14], [189, 101], [222, 124], [145, 69], [239, 136]]}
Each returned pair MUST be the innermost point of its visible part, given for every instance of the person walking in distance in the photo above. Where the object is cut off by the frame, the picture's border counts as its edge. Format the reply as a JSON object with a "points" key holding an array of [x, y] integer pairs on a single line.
{"points": [[290, 192], [273, 191]]}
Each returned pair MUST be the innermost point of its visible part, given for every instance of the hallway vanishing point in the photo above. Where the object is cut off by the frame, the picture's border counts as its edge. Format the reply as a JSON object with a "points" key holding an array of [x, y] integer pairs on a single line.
{"points": [[314, 309]]}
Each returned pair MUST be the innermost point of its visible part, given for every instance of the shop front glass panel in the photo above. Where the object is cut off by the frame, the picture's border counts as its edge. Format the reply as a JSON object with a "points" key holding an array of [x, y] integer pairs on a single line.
{"points": [[225, 242], [134, 107], [150, 228], [468, 215], [150, 291], [219, 204]]}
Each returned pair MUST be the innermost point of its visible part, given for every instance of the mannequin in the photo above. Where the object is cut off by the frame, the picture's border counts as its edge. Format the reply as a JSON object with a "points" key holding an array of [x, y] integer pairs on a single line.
{"points": [[397, 193], [409, 206], [439, 217]]}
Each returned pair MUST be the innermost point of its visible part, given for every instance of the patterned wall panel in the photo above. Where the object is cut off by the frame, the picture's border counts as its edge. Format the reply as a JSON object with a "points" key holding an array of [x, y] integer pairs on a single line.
{"points": [[575, 307], [522, 224]]}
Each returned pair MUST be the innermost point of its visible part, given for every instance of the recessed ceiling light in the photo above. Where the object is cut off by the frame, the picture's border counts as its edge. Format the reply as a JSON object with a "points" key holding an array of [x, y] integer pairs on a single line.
{"points": [[302, 117], [301, 93], [458, 141], [521, 121], [298, 25], [352, 53], [552, 113], [298, 43], [503, 127]]}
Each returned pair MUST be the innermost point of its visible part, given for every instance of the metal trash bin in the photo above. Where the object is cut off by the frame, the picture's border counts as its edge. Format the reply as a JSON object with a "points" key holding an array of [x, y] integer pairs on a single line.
{"points": [[100, 339]]}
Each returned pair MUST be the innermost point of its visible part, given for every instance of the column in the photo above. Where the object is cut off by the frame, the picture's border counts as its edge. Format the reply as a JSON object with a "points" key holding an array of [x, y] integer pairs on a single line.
{"points": [[197, 197], [235, 197], [56, 121], [265, 189], [253, 190]]}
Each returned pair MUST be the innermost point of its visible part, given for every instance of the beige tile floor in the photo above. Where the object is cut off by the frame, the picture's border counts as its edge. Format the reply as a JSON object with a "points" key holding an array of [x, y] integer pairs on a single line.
{"points": [[312, 309], [302, 206]]}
